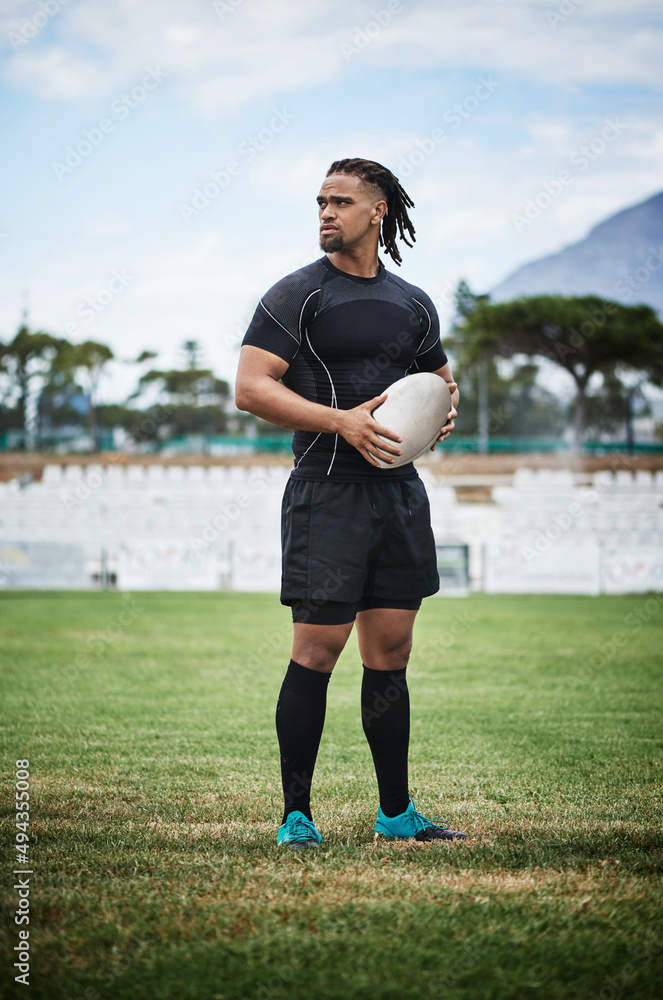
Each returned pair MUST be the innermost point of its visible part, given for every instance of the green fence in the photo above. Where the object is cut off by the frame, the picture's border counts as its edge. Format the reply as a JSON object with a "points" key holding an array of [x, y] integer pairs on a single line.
{"points": [[457, 443], [61, 442], [281, 444]]}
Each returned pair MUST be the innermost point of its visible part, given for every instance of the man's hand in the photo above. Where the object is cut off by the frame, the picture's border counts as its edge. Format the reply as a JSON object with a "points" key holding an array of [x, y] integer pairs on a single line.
{"points": [[361, 430], [451, 415]]}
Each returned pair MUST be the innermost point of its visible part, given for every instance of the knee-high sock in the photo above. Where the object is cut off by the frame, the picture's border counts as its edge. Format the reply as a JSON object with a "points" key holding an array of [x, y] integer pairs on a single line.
{"points": [[300, 717], [385, 714]]}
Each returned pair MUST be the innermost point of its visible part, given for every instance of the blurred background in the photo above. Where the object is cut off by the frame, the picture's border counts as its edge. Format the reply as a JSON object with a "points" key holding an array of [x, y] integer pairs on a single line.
{"points": [[160, 167]]}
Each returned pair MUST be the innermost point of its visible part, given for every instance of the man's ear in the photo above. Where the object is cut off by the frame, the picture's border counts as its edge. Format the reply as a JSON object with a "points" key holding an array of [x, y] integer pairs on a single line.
{"points": [[379, 212]]}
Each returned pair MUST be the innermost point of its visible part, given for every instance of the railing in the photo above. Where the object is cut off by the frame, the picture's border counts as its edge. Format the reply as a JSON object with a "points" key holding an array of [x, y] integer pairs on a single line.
{"points": [[217, 445]]}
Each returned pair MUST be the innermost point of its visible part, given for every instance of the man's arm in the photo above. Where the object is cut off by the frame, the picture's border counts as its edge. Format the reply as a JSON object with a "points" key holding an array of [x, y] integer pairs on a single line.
{"points": [[259, 391], [445, 373]]}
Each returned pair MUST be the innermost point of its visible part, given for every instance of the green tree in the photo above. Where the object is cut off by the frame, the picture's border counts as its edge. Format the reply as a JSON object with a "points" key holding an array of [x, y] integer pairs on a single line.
{"points": [[192, 352], [517, 405], [87, 360], [144, 356], [195, 398], [146, 427], [190, 386], [583, 335], [57, 401], [28, 358]]}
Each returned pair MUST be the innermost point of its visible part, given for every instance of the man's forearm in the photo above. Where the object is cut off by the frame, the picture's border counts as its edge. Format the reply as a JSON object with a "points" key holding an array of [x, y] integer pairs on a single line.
{"points": [[273, 401]]}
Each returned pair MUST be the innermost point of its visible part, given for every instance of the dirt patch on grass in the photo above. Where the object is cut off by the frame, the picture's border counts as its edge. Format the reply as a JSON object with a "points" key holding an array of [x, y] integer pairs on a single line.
{"points": [[236, 829], [286, 883]]}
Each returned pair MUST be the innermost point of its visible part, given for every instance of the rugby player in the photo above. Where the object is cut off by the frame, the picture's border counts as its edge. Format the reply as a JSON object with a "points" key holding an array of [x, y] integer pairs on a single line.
{"points": [[358, 549]]}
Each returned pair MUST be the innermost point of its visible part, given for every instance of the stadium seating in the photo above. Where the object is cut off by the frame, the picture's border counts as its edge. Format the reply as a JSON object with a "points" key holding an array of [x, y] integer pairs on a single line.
{"points": [[179, 527]]}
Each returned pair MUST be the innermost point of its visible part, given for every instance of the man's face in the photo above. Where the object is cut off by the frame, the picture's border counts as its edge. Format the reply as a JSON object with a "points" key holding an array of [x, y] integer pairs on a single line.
{"points": [[349, 213]]}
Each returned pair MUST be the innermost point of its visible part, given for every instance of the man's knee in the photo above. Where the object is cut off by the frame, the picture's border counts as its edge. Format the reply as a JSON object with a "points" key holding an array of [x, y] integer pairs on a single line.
{"points": [[317, 657], [319, 647], [391, 656], [399, 655]]}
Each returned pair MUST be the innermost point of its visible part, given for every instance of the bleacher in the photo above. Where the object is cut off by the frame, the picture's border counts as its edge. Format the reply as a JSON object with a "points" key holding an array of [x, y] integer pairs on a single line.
{"points": [[208, 528], [615, 508], [604, 535], [154, 527]]}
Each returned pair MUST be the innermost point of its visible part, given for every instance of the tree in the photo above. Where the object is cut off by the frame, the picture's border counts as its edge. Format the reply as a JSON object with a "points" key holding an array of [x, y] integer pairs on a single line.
{"points": [[144, 356], [191, 386], [518, 407], [619, 400], [146, 427], [61, 401], [89, 358], [196, 399], [27, 358], [192, 353], [478, 364], [583, 335]]}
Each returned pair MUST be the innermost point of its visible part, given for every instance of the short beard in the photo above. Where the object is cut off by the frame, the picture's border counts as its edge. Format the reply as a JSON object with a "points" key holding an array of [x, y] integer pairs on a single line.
{"points": [[332, 244]]}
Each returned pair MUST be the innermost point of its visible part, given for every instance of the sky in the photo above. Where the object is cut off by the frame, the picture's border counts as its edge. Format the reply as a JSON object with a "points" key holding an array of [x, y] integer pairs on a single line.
{"points": [[161, 158]]}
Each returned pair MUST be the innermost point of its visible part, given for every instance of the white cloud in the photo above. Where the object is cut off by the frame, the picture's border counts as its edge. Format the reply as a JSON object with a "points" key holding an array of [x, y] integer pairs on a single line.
{"points": [[514, 37], [182, 35], [263, 47], [54, 73]]}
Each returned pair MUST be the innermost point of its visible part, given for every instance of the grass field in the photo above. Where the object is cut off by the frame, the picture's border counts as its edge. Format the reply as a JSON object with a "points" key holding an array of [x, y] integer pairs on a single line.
{"points": [[149, 727]]}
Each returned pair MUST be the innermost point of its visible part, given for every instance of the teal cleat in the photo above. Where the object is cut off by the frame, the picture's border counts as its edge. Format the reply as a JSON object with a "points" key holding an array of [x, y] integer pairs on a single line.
{"points": [[411, 824], [298, 833]]}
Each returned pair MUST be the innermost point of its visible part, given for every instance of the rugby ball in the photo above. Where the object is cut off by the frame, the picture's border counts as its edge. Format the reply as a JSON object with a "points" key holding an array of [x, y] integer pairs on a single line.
{"points": [[416, 408]]}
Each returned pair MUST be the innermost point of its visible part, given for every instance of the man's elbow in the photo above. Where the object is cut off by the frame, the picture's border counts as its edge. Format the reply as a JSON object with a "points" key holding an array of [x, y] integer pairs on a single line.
{"points": [[242, 397]]}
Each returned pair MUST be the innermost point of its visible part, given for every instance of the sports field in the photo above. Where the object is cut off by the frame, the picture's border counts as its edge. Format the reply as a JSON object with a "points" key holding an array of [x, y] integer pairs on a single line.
{"points": [[148, 724]]}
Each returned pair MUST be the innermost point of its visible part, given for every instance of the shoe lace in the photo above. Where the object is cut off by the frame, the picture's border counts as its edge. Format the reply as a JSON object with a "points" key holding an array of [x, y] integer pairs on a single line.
{"points": [[422, 823], [302, 828]]}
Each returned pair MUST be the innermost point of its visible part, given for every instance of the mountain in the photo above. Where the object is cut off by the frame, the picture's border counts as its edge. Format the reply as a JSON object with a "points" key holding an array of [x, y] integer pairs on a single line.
{"points": [[620, 259]]}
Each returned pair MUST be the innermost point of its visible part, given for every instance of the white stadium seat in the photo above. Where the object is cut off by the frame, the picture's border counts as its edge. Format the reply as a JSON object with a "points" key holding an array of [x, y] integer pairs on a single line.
{"points": [[162, 510]]}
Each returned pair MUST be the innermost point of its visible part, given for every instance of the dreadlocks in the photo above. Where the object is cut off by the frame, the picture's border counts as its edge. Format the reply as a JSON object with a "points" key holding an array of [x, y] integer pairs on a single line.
{"points": [[396, 221]]}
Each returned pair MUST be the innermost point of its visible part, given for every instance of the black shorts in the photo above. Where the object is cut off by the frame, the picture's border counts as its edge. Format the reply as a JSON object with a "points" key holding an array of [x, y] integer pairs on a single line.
{"points": [[357, 543]]}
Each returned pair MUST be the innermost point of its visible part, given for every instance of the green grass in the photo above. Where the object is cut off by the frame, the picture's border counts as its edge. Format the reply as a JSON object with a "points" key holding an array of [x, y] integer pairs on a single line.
{"points": [[155, 802]]}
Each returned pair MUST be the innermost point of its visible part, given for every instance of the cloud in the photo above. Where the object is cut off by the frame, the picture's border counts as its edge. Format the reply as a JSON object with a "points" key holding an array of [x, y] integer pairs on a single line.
{"points": [[224, 57], [229, 66], [56, 73], [515, 38]]}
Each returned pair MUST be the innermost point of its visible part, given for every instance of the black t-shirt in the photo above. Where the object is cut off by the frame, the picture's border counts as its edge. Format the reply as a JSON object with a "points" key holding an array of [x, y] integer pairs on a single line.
{"points": [[346, 339]]}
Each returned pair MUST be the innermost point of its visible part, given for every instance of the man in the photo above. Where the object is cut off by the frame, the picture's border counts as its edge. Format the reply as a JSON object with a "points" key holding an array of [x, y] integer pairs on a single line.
{"points": [[324, 343]]}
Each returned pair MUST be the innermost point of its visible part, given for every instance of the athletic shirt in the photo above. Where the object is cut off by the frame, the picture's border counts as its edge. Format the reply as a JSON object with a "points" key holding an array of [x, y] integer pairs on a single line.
{"points": [[346, 339]]}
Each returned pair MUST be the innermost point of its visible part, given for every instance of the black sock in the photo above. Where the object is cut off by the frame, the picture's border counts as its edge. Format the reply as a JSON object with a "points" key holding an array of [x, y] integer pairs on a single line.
{"points": [[300, 716], [385, 714]]}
